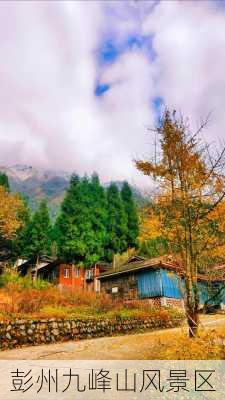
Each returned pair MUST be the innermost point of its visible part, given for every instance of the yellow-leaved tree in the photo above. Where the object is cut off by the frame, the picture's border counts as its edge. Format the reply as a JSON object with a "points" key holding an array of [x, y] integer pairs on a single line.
{"points": [[11, 208], [189, 209]]}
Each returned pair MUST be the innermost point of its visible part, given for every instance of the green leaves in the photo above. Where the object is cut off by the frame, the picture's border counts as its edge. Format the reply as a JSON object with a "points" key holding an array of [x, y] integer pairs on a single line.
{"points": [[116, 223], [95, 223], [80, 227], [132, 216], [4, 181], [36, 237]]}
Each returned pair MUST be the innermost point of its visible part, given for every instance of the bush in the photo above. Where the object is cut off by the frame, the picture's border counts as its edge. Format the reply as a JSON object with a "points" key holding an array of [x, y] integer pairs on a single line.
{"points": [[11, 277], [180, 347], [22, 297]]}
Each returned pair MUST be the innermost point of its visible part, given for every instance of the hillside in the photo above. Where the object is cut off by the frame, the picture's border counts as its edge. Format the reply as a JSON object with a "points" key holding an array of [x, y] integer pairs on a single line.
{"points": [[37, 183]]}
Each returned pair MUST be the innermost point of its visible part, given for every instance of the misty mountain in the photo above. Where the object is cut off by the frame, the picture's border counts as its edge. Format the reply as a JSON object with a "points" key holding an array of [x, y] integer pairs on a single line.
{"points": [[36, 184]]}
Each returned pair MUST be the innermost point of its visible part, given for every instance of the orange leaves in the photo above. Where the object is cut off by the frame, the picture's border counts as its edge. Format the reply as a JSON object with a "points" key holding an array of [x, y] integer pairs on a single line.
{"points": [[149, 168], [217, 215], [151, 226], [191, 182], [10, 207]]}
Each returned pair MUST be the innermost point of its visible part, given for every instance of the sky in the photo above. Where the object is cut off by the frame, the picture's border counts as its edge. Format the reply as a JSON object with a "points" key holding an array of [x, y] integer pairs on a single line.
{"points": [[81, 81]]}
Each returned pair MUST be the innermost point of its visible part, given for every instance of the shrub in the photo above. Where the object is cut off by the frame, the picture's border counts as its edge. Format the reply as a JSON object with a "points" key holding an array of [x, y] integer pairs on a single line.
{"points": [[180, 347], [12, 277], [21, 297]]}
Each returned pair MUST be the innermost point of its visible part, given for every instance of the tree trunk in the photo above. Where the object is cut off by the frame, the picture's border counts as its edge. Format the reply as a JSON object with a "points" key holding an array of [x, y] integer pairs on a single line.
{"points": [[192, 306], [193, 322]]}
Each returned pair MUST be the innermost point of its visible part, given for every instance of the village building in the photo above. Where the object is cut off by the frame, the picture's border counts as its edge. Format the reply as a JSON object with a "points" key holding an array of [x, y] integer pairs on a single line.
{"points": [[158, 282], [63, 274]]}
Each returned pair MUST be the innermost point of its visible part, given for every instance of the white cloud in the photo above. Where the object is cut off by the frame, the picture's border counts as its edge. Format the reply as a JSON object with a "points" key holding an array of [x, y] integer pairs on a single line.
{"points": [[50, 112], [189, 39], [49, 115]]}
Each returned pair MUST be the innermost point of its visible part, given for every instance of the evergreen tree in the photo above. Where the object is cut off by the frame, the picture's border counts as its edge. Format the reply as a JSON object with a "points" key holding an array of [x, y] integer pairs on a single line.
{"points": [[132, 216], [116, 223], [4, 181], [98, 216], [39, 233], [80, 227]]}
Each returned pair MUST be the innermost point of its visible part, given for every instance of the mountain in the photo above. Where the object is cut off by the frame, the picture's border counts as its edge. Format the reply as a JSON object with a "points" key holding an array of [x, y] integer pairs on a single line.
{"points": [[37, 183]]}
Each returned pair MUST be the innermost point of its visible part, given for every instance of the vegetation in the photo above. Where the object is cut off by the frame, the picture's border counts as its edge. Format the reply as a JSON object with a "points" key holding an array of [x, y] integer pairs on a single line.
{"points": [[80, 227], [207, 346], [4, 181], [93, 223], [185, 219], [189, 206], [132, 216], [22, 297], [11, 207], [20, 244], [116, 224], [34, 239]]}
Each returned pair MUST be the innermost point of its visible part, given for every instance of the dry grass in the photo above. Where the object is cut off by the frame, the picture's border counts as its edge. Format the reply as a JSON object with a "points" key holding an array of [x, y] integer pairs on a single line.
{"points": [[209, 345], [28, 302]]}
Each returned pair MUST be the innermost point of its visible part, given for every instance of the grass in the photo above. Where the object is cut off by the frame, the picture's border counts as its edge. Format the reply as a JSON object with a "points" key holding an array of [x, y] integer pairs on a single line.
{"points": [[209, 345], [22, 298]]}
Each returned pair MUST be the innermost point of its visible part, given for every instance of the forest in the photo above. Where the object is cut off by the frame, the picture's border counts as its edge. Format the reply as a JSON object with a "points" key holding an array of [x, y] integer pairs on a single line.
{"points": [[92, 225]]}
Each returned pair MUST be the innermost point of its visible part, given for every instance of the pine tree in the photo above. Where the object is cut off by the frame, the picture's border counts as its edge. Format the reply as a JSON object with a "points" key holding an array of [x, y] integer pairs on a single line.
{"points": [[39, 233], [80, 227], [98, 216], [132, 216], [116, 223]]}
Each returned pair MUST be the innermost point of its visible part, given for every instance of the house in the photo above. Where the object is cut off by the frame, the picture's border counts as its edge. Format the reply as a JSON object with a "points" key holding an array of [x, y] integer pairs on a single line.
{"points": [[63, 274], [32, 265], [156, 281]]}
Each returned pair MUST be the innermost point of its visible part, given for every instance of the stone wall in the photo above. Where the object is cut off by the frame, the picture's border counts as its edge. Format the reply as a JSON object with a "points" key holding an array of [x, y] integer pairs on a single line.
{"points": [[159, 302], [33, 332]]}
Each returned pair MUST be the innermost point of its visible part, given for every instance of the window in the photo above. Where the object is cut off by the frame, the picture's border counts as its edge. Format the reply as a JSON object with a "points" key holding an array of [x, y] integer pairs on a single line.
{"points": [[115, 289], [77, 272], [66, 273]]}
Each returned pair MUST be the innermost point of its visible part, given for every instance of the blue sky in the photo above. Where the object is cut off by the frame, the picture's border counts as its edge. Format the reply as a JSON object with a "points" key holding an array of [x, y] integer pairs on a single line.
{"points": [[109, 52]]}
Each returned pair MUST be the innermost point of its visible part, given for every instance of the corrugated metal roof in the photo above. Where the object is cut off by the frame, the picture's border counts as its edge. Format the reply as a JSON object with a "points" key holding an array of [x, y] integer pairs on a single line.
{"points": [[160, 263], [153, 263]]}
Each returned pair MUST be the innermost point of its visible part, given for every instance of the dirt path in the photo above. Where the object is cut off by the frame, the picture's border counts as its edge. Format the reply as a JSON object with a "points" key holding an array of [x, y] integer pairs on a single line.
{"points": [[125, 347]]}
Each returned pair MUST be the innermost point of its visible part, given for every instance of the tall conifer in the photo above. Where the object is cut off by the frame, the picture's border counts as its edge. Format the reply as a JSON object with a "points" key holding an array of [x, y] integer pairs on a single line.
{"points": [[132, 216], [80, 226], [116, 224], [39, 232]]}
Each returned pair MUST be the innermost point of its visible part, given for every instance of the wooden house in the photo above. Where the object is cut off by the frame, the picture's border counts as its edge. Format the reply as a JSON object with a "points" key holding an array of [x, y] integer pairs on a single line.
{"points": [[63, 274], [156, 281]]}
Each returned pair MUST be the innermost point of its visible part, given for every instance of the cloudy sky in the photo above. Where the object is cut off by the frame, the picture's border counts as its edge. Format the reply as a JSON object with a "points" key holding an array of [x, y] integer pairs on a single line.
{"points": [[80, 81]]}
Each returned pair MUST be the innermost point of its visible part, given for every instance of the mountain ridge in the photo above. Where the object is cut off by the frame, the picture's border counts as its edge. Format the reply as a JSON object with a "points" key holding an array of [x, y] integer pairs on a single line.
{"points": [[36, 184]]}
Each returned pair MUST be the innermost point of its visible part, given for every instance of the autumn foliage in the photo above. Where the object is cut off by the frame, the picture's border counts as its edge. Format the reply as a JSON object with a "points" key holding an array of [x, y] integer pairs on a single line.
{"points": [[11, 206], [188, 209]]}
